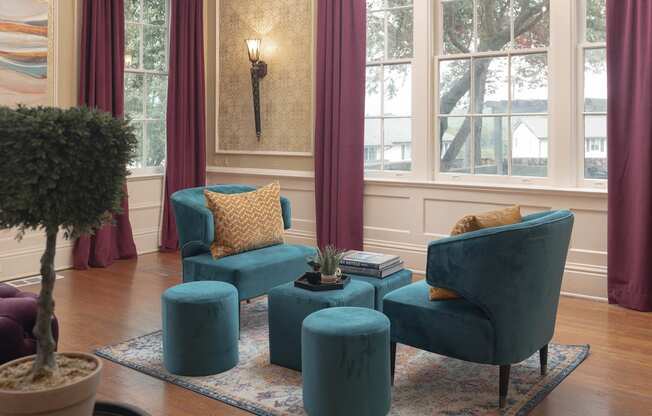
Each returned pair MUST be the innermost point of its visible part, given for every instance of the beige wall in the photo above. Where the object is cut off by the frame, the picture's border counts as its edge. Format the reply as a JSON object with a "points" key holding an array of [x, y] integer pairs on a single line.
{"points": [[18, 259], [285, 28]]}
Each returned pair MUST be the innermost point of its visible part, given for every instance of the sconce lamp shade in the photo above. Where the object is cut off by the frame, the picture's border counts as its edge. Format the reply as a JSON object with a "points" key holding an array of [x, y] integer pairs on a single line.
{"points": [[253, 47]]}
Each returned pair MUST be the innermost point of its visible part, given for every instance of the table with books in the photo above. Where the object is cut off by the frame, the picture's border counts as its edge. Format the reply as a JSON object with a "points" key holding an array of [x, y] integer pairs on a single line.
{"points": [[385, 272]]}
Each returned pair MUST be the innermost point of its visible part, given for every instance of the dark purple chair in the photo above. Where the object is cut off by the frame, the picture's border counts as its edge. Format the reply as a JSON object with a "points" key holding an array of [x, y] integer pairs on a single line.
{"points": [[17, 319]]}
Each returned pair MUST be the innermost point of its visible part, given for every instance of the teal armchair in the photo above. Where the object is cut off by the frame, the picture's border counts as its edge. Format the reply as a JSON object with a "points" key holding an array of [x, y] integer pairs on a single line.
{"points": [[253, 272], [509, 279]]}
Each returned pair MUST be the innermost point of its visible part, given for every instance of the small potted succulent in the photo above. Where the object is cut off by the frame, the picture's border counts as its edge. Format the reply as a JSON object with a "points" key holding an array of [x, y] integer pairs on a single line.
{"points": [[327, 261]]}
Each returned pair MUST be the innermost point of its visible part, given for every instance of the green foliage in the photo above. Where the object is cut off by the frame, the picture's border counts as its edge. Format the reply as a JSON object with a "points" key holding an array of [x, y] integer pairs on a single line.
{"points": [[61, 167], [328, 260]]}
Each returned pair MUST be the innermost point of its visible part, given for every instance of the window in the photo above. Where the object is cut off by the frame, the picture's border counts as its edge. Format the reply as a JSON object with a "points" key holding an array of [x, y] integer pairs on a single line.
{"points": [[489, 91], [388, 107], [493, 87], [146, 78], [594, 104]]}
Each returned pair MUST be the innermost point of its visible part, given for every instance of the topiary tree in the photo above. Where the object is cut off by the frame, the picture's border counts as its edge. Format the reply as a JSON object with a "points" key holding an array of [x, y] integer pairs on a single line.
{"points": [[60, 169]]}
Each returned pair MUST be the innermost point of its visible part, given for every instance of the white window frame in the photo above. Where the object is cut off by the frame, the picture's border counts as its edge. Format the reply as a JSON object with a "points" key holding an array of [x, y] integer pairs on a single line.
{"points": [[148, 170], [414, 125], [565, 72], [582, 46]]}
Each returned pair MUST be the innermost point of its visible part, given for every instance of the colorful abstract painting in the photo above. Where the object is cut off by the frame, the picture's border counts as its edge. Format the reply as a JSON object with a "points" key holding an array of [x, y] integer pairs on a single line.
{"points": [[23, 52]]}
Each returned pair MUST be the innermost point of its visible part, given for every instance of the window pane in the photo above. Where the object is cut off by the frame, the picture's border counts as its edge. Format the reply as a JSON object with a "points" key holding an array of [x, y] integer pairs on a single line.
{"points": [[454, 85], [398, 3], [398, 90], [375, 4], [491, 145], [155, 12], [155, 143], [398, 143], [454, 135], [530, 146], [530, 83], [372, 97], [491, 85], [531, 23], [132, 11], [457, 25], [596, 21], [595, 80], [375, 36], [154, 47], [494, 26], [137, 162], [372, 145], [132, 46], [134, 95], [157, 89], [595, 147], [399, 33]]}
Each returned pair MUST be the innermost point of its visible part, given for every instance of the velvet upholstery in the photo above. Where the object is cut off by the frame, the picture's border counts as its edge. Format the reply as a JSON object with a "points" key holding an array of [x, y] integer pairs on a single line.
{"points": [[289, 306], [345, 360], [200, 328], [383, 286], [17, 319], [254, 272], [509, 279]]}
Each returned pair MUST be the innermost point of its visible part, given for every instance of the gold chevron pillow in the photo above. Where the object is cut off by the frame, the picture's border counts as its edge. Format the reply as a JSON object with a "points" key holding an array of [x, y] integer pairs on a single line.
{"points": [[246, 221], [468, 223]]}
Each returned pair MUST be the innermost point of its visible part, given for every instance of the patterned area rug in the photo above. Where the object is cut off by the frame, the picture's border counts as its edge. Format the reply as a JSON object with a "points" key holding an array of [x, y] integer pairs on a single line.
{"points": [[426, 383]]}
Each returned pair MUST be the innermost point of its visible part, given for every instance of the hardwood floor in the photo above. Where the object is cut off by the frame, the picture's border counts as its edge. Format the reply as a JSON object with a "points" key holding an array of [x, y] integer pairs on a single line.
{"points": [[98, 307]]}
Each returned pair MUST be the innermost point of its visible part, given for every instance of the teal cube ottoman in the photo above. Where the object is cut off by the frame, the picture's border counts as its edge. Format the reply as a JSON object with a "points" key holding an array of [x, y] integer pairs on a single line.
{"points": [[346, 362], [385, 285], [200, 328], [289, 306]]}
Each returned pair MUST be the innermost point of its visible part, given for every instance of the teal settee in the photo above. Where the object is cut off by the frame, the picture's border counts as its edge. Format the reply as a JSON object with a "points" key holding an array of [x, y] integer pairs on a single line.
{"points": [[253, 272], [509, 280]]}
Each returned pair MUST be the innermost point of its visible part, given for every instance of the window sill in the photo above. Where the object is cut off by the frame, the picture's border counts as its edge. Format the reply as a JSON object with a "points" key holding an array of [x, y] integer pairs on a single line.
{"points": [[489, 187], [135, 175]]}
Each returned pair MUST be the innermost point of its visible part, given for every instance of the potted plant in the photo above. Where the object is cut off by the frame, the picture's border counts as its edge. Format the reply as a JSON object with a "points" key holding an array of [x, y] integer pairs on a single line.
{"points": [[61, 171], [328, 262]]}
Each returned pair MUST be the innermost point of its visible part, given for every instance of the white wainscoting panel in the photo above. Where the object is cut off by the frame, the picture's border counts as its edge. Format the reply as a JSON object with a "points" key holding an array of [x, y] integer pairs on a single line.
{"points": [[401, 218], [21, 258]]}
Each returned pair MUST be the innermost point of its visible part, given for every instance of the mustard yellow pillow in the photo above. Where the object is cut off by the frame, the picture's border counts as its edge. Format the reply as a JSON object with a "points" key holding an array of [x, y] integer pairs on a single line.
{"points": [[468, 223], [246, 221]]}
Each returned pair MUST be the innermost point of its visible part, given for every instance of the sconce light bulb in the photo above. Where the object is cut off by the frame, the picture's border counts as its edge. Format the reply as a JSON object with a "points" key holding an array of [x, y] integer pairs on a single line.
{"points": [[253, 49]]}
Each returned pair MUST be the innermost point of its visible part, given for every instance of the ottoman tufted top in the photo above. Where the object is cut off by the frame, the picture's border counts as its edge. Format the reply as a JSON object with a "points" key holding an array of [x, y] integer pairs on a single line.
{"points": [[199, 292], [346, 321]]}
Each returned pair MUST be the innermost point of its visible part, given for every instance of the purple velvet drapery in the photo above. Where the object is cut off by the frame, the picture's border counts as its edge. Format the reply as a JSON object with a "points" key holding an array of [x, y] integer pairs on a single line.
{"points": [[629, 68], [339, 122], [186, 135], [101, 85]]}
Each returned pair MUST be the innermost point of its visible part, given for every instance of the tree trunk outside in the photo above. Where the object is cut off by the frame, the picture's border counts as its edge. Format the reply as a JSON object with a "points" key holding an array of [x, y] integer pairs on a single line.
{"points": [[45, 362]]}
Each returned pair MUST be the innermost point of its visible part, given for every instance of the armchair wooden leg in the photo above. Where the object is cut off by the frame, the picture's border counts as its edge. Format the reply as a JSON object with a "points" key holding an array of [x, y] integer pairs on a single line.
{"points": [[543, 359], [392, 357], [504, 385]]}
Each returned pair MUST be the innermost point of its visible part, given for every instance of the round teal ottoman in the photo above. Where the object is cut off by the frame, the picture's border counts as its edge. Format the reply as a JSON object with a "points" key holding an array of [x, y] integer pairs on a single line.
{"points": [[200, 328], [345, 362]]}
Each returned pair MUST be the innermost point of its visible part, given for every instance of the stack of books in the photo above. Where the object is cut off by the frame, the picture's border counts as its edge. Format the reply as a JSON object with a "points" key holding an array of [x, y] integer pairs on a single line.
{"points": [[370, 264]]}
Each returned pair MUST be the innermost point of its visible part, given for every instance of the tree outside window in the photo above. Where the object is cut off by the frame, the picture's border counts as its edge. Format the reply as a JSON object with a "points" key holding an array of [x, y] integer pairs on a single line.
{"points": [[146, 77]]}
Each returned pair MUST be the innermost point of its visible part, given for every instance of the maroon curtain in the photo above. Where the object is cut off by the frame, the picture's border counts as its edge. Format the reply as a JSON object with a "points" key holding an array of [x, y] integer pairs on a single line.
{"points": [[101, 85], [339, 123], [186, 143], [629, 68]]}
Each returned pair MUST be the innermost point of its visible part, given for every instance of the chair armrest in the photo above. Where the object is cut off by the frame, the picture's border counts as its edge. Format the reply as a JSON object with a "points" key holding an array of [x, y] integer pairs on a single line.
{"points": [[513, 273], [287, 212]]}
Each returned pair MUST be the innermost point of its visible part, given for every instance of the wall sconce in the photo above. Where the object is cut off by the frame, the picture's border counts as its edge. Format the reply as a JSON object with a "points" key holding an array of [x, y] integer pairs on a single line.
{"points": [[258, 71]]}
